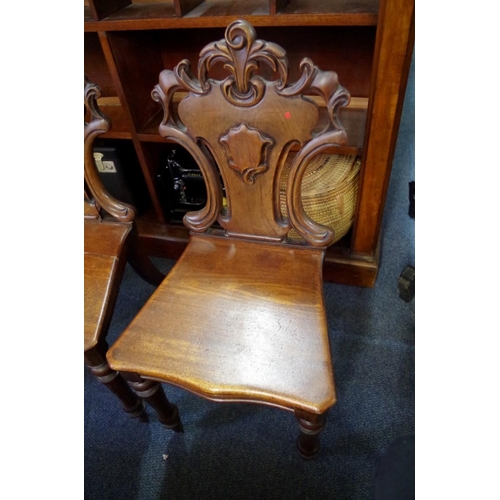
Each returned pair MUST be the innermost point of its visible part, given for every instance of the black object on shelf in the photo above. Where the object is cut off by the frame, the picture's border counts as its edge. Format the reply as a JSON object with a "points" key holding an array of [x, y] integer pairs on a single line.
{"points": [[181, 184], [118, 169]]}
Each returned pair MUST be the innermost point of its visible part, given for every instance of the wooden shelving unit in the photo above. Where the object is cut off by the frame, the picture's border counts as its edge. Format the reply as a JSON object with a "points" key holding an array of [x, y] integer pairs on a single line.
{"points": [[368, 43]]}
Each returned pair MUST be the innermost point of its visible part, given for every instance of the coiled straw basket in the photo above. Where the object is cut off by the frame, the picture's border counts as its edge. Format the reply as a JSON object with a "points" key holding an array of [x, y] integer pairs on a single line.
{"points": [[329, 191]]}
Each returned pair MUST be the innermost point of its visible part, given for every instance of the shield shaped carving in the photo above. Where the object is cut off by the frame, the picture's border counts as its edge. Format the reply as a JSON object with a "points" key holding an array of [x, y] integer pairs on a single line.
{"points": [[247, 150]]}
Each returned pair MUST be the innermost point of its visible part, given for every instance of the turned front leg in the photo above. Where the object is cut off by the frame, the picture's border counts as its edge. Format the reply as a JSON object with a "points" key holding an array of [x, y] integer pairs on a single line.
{"points": [[96, 362], [310, 426], [152, 392]]}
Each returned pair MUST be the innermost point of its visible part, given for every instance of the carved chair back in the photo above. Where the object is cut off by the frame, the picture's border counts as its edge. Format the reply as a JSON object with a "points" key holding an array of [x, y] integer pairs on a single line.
{"points": [[97, 201], [245, 126]]}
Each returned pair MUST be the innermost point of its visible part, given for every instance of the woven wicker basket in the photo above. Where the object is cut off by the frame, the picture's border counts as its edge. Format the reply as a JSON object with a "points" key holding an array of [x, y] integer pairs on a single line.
{"points": [[329, 191]]}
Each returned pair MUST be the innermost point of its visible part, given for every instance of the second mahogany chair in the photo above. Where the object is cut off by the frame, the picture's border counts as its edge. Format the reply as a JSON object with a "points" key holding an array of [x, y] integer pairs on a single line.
{"points": [[241, 316], [110, 239]]}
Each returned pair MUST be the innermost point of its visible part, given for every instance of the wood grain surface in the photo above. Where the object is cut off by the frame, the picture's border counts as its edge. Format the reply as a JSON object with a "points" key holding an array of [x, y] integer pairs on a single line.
{"points": [[103, 249], [239, 321]]}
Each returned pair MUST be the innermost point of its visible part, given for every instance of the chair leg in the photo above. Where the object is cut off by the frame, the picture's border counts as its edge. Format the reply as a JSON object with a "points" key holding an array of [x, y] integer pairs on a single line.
{"points": [[310, 426], [111, 379], [152, 392]]}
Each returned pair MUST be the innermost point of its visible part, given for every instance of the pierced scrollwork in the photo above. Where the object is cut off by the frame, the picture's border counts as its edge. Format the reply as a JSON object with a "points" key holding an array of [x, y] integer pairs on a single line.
{"points": [[99, 124], [98, 121], [248, 147], [240, 53], [324, 84], [201, 220]]}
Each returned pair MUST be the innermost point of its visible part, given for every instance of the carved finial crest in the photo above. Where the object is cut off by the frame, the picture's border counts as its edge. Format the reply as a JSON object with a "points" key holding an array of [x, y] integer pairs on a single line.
{"points": [[241, 54]]}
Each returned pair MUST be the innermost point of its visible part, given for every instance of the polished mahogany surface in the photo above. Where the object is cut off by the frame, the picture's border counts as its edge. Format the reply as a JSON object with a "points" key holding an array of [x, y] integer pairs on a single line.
{"points": [[237, 320], [103, 247]]}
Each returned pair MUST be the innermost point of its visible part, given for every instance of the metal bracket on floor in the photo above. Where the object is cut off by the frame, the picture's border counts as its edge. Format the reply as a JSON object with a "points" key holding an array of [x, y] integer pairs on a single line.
{"points": [[406, 284]]}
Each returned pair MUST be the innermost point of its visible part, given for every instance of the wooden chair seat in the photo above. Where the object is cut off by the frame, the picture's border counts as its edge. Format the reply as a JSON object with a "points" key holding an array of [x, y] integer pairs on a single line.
{"points": [[100, 276], [103, 248], [105, 238], [232, 305]]}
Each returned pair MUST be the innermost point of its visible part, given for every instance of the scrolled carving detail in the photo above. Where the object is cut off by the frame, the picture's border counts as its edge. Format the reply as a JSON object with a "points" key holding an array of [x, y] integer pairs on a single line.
{"points": [[98, 121], [309, 71], [315, 234], [186, 80], [169, 128], [97, 125], [241, 54], [324, 84]]}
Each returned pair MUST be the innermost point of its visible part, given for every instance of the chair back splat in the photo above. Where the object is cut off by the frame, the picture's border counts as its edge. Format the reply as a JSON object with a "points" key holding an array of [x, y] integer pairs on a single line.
{"points": [[246, 126]]}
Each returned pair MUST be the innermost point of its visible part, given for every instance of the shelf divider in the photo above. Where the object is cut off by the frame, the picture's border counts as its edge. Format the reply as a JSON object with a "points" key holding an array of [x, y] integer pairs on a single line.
{"points": [[276, 5], [103, 8], [182, 7]]}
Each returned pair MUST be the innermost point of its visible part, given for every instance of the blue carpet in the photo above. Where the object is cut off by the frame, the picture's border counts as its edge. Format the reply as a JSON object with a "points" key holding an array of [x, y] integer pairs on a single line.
{"points": [[243, 451]]}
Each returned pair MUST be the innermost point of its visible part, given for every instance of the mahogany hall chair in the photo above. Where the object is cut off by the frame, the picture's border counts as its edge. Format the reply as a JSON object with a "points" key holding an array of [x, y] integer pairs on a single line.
{"points": [[241, 316], [109, 239]]}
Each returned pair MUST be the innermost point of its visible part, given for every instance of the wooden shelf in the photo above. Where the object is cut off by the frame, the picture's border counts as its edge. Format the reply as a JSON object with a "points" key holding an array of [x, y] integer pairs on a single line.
{"points": [[120, 128], [220, 13], [343, 7], [229, 8], [142, 12], [95, 66], [87, 16], [368, 43]]}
